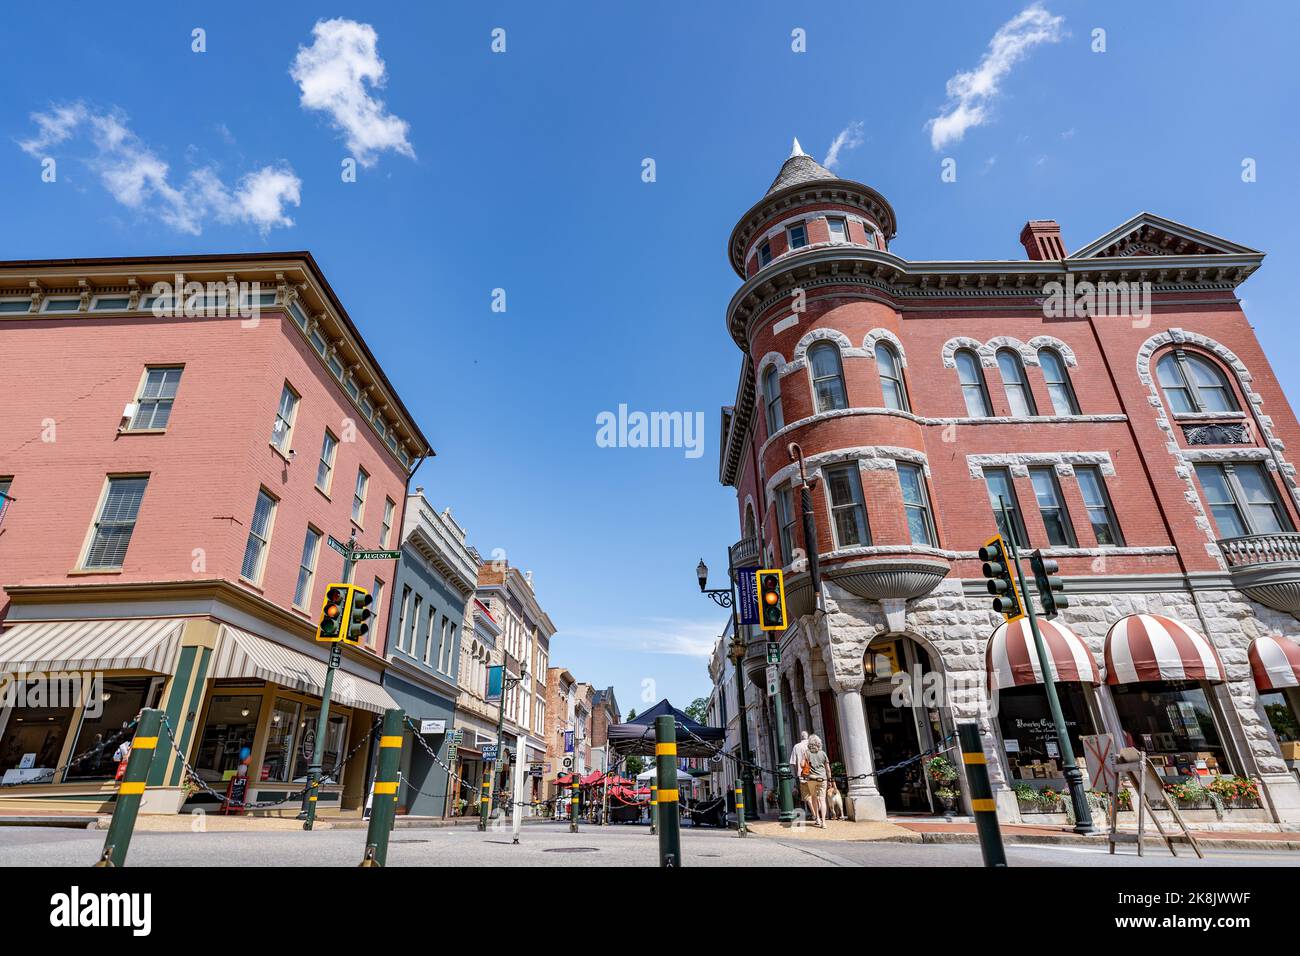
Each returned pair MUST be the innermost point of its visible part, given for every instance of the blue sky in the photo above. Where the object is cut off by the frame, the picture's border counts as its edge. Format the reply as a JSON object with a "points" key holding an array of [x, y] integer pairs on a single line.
{"points": [[522, 171]]}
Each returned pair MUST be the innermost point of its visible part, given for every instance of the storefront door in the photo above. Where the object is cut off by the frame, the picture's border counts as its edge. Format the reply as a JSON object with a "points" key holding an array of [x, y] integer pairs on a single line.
{"points": [[893, 740]]}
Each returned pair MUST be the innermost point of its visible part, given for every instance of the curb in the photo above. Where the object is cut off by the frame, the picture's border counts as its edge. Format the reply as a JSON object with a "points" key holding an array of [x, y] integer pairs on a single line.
{"points": [[72, 823], [1067, 840]]}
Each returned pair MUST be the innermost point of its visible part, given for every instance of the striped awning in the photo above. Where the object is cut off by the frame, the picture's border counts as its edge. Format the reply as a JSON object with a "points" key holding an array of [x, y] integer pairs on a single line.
{"points": [[1275, 662], [1012, 658], [240, 654], [139, 644], [1149, 647]]}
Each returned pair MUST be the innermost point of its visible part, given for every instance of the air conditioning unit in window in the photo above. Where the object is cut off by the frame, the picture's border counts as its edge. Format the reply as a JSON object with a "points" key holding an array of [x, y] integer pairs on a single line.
{"points": [[128, 413]]}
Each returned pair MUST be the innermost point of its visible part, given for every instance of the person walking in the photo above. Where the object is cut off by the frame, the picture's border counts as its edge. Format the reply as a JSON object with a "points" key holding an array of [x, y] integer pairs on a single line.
{"points": [[818, 774], [798, 757]]}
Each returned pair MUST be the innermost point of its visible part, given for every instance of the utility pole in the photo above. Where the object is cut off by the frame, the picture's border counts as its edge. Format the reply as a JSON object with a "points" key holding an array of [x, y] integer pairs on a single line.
{"points": [[726, 598]]}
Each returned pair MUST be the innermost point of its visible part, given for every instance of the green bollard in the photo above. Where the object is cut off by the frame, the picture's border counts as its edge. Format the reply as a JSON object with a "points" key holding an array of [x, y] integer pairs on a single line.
{"points": [[670, 821], [131, 790], [384, 812], [740, 810], [981, 795]]}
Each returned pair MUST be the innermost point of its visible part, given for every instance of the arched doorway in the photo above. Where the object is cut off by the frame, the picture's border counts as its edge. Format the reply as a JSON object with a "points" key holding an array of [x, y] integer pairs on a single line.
{"points": [[902, 696]]}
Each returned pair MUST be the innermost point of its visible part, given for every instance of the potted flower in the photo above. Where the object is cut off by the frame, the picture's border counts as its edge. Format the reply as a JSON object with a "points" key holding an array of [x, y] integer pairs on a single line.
{"points": [[943, 775]]}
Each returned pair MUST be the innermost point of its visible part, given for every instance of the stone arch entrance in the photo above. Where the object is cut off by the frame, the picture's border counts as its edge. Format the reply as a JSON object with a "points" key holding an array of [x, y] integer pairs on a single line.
{"points": [[905, 716]]}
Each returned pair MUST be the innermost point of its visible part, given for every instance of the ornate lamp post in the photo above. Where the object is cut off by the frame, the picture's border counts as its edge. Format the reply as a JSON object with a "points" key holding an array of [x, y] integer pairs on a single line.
{"points": [[726, 598]]}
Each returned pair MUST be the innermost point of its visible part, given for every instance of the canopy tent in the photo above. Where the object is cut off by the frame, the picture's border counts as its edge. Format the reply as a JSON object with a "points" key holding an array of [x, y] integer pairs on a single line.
{"points": [[637, 736]]}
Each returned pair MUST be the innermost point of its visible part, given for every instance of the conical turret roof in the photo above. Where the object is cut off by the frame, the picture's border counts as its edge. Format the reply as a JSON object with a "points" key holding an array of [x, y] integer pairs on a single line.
{"points": [[799, 168]]}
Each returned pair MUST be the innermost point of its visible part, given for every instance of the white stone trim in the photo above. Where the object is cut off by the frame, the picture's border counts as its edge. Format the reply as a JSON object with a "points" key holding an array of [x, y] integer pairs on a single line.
{"points": [[1051, 342], [783, 368], [1184, 457], [958, 342], [990, 349], [922, 420], [1019, 463], [869, 458], [875, 336], [824, 334]]}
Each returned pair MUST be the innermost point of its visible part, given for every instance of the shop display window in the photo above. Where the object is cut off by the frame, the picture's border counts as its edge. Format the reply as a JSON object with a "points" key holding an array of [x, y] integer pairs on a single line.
{"points": [[231, 725], [279, 741], [336, 737], [1029, 735], [1174, 723], [100, 737]]}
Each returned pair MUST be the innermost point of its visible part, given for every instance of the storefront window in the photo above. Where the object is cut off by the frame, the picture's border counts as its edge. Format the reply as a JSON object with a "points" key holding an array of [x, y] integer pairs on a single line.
{"points": [[335, 739], [279, 741], [231, 726], [1029, 735], [1281, 715], [1174, 723], [99, 737], [34, 737]]}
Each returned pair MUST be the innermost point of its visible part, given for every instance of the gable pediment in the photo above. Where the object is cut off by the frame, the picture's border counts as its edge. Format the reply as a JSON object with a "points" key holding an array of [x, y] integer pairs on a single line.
{"points": [[1147, 234]]}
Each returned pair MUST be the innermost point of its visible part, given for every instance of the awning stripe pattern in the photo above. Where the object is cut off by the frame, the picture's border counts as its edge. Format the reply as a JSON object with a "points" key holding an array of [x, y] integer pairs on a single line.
{"points": [[1275, 662], [240, 654], [145, 644], [1150, 647], [1012, 658]]}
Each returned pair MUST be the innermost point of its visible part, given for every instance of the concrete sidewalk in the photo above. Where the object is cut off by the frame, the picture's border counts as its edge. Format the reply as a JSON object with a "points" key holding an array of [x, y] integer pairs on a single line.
{"points": [[940, 831]]}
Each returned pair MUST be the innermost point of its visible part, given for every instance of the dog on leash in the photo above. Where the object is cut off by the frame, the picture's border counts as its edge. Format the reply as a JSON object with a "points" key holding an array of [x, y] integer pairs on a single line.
{"points": [[835, 802]]}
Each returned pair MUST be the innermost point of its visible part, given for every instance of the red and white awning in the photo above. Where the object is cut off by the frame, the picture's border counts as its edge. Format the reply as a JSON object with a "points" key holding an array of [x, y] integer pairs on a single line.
{"points": [[1149, 647], [1012, 658], [1275, 662]]}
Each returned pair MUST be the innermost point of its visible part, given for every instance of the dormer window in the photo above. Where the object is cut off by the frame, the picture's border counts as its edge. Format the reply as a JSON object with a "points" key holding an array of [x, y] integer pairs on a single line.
{"points": [[764, 254], [839, 229], [797, 235]]}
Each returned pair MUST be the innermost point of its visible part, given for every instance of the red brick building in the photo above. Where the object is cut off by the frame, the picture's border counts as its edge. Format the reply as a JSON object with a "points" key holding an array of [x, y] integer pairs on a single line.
{"points": [[174, 467], [1115, 397]]}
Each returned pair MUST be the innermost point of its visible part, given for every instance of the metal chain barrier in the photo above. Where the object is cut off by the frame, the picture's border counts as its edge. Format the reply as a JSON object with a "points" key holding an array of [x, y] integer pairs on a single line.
{"points": [[192, 776], [98, 750]]}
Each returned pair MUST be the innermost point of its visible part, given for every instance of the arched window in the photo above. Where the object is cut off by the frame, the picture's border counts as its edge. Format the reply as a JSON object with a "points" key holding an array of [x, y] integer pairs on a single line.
{"points": [[891, 377], [1058, 382], [973, 388], [828, 377], [1019, 397], [1194, 384], [772, 400], [751, 529]]}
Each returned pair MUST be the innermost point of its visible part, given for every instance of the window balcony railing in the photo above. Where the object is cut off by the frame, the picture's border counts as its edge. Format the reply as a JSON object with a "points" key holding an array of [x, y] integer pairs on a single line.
{"points": [[744, 554], [1253, 549], [1266, 568]]}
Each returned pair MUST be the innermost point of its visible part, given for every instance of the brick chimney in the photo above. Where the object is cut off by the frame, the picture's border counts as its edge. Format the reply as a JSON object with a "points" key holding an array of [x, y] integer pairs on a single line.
{"points": [[1042, 239]]}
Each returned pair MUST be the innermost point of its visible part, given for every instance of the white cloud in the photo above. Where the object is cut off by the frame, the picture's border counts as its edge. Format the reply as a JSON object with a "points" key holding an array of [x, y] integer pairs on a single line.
{"points": [[849, 137], [658, 636], [335, 75], [970, 94], [135, 176]]}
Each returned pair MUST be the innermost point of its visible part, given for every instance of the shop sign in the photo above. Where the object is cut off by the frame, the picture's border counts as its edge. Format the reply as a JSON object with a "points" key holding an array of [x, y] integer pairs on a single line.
{"points": [[535, 770], [490, 752], [1097, 751], [433, 726]]}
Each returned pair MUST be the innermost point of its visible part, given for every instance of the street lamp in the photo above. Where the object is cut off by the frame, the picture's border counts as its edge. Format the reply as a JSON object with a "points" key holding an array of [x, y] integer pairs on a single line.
{"points": [[726, 597], [722, 597]]}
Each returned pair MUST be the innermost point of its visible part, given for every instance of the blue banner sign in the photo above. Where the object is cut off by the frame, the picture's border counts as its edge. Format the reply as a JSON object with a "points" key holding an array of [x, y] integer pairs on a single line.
{"points": [[747, 595]]}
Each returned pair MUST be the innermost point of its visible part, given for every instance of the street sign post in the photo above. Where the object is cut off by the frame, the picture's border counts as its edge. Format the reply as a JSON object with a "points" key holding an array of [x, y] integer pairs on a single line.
{"points": [[773, 682], [490, 752], [773, 652]]}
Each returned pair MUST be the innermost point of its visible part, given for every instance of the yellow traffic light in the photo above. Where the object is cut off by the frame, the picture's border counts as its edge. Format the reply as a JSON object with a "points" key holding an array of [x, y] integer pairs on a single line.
{"points": [[332, 611], [771, 591], [999, 568], [357, 623]]}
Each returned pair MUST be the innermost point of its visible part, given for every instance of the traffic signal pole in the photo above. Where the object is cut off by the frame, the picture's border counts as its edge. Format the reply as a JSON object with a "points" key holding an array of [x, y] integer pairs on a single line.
{"points": [[312, 791], [1073, 775], [489, 775]]}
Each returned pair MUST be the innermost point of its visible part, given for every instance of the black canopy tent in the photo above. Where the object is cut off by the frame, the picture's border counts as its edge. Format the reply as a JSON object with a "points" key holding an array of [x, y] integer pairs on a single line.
{"points": [[637, 736]]}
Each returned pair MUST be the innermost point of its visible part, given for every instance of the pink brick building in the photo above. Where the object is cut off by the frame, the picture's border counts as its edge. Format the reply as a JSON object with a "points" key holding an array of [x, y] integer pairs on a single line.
{"points": [[173, 481]]}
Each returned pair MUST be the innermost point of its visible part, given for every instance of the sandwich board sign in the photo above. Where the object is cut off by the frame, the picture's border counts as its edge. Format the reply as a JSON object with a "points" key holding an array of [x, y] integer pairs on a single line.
{"points": [[1098, 749]]}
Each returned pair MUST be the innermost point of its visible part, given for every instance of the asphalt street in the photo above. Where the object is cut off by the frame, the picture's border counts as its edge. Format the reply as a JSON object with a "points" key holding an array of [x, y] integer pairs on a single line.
{"points": [[553, 845]]}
